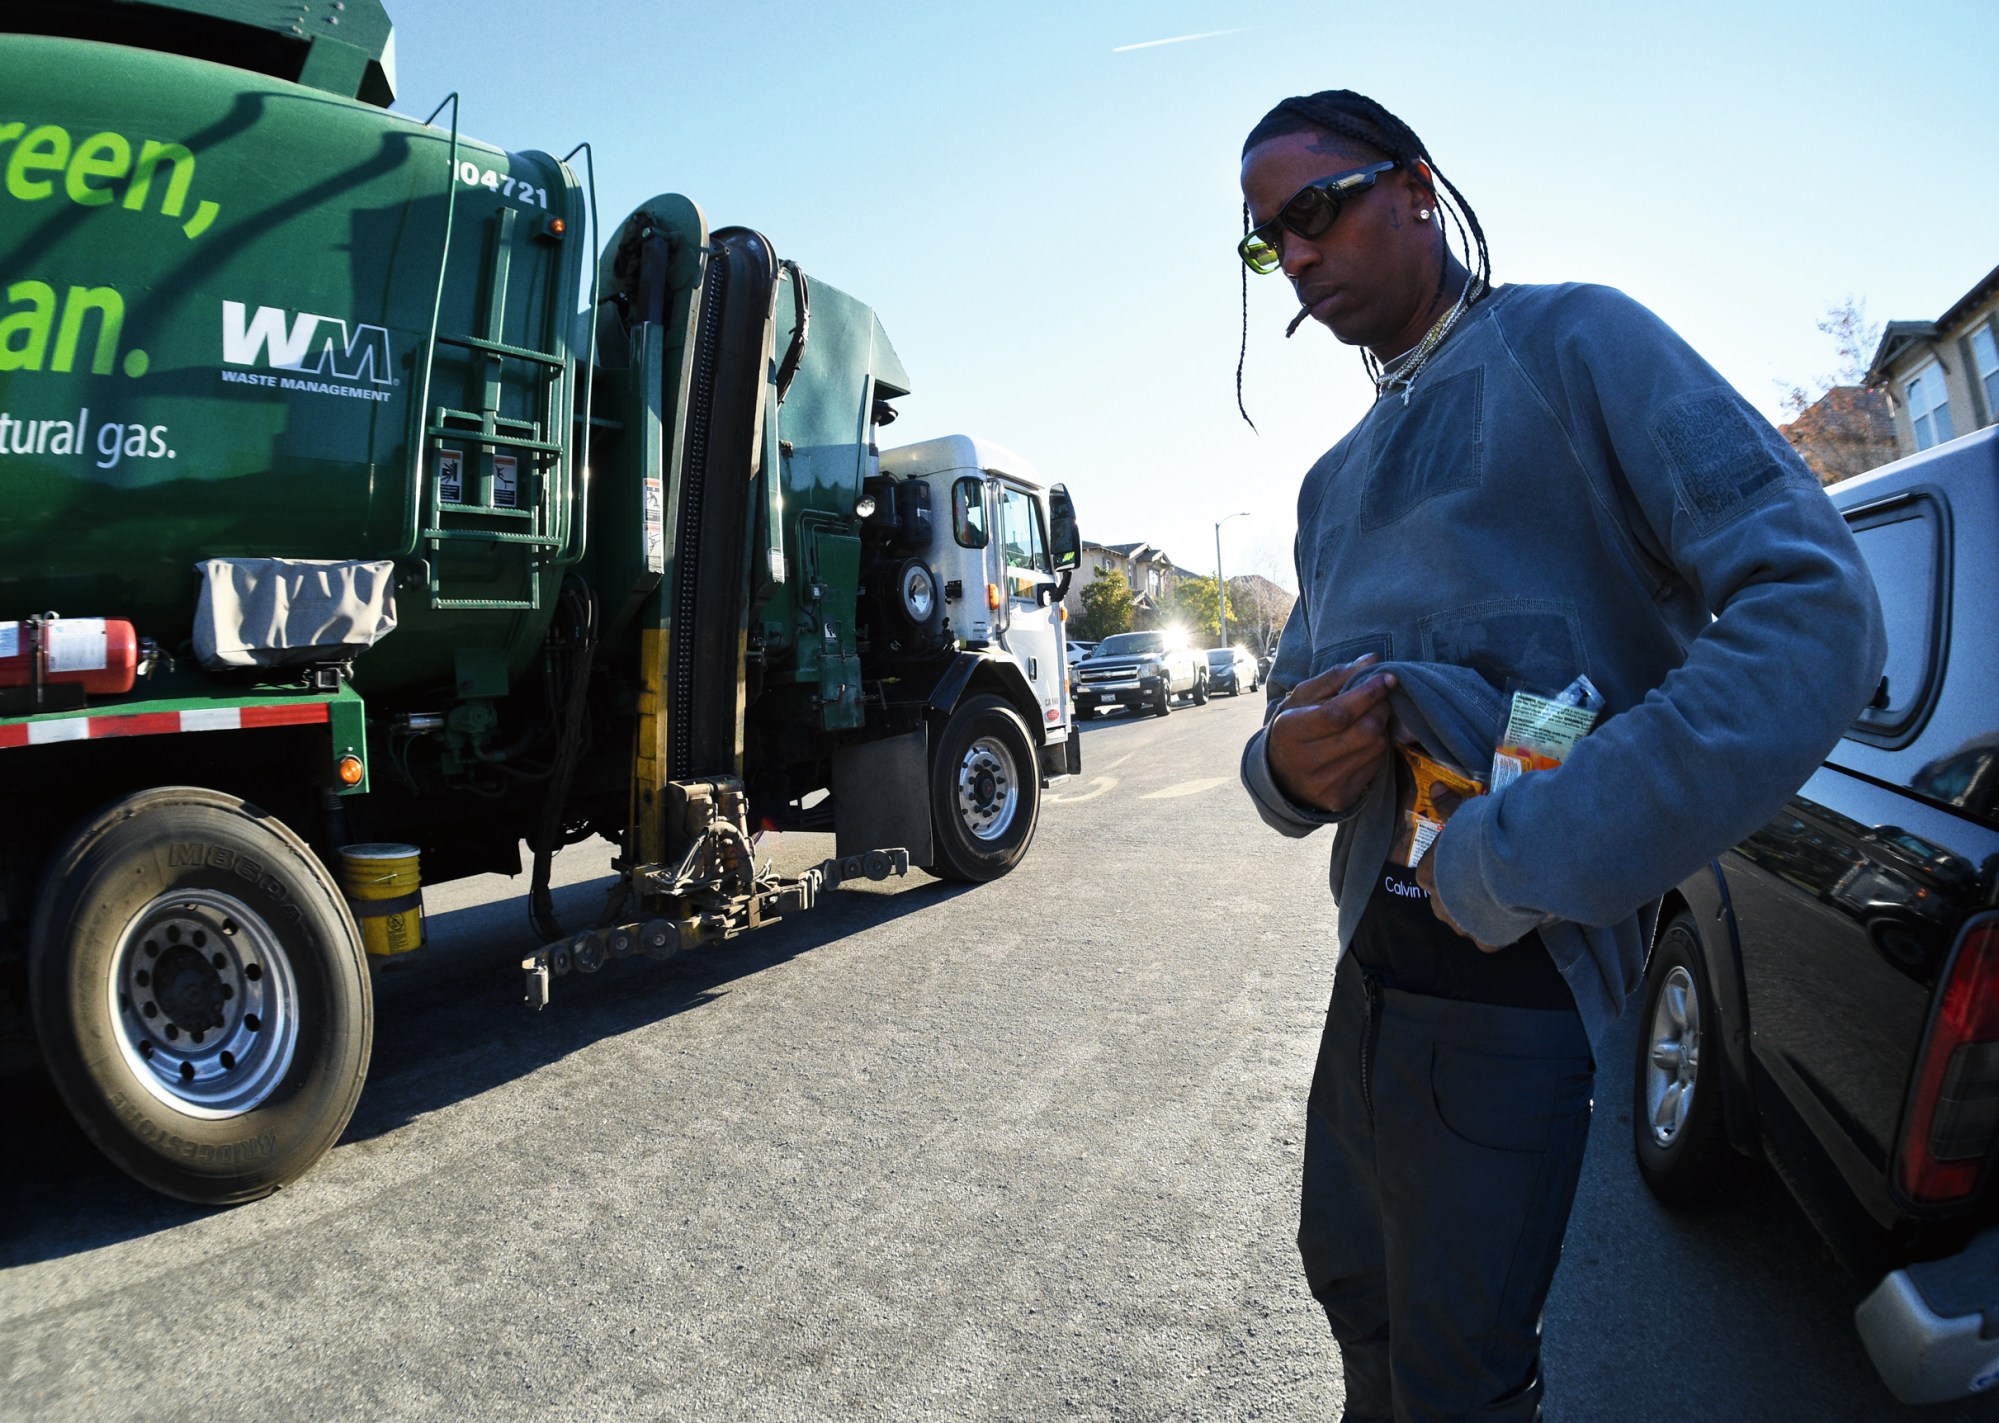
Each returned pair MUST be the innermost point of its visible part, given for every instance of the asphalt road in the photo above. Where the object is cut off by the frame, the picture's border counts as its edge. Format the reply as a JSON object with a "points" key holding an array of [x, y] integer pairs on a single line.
{"points": [[1026, 1151]]}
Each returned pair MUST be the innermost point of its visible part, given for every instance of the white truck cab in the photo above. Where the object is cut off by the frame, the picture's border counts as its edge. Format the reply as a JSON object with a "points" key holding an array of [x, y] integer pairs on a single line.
{"points": [[1006, 563]]}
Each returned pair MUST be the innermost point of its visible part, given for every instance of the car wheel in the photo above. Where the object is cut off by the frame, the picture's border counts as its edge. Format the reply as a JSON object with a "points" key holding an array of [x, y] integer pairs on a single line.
{"points": [[1163, 704], [1676, 1114], [201, 995], [1201, 690], [985, 791]]}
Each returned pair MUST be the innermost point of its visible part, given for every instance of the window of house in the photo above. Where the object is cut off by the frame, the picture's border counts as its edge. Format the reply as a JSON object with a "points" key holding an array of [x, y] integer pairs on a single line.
{"points": [[1929, 407], [1985, 359]]}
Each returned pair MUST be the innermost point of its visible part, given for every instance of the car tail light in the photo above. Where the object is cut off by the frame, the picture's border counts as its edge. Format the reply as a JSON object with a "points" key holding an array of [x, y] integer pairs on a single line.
{"points": [[1954, 1114]]}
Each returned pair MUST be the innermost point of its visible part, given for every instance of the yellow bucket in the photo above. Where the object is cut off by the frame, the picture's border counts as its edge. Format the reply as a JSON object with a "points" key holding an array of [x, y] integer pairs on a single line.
{"points": [[386, 894]]}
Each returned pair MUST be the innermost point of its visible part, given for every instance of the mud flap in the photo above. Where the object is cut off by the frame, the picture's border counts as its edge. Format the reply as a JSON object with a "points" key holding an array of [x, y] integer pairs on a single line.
{"points": [[881, 796], [1060, 759]]}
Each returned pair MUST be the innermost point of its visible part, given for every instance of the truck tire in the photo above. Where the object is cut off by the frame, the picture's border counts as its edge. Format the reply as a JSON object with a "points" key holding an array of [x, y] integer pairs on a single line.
{"points": [[985, 791], [1162, 705], [201, 994], [1676, 1115], [1200, 689]]}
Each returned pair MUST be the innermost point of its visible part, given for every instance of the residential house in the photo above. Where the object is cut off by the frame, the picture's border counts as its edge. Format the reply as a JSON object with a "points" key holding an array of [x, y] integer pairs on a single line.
{"points": [[1942, 376], [1144, 566]]}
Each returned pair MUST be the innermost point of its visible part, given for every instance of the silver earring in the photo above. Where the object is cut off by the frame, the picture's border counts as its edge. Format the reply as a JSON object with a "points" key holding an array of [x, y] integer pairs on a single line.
{"points": [[1422, 215]]}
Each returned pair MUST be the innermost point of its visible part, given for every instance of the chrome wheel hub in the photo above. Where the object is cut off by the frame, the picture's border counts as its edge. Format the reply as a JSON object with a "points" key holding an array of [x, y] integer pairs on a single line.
{"points": [[204, 1002], [988, 788]]}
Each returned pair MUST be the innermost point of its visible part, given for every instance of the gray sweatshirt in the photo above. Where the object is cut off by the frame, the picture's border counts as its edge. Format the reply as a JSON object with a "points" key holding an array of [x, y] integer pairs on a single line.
{"points": [[1571, 489]]}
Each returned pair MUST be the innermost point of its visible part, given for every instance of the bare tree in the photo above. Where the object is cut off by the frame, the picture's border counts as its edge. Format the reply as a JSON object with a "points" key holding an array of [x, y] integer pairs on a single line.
{"points": [[1854, 339], [1842, 427], [1258, 605]]}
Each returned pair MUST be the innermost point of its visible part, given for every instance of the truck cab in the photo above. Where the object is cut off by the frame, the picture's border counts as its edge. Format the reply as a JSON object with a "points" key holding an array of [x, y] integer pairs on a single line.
{"points": [[1003, 570]]}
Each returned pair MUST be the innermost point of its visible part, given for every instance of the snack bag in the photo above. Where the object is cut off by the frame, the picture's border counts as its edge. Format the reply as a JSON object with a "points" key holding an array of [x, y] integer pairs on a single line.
{"points": [[1541, 730], [1430, 793]]}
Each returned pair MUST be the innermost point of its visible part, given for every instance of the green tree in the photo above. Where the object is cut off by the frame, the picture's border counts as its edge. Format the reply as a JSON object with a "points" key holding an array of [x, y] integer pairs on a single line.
{"points": [[1193, 607], [1107, 604]]}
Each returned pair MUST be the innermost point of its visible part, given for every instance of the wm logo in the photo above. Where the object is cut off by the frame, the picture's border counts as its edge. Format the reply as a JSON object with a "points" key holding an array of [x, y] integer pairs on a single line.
{"points": [[308, 344]]}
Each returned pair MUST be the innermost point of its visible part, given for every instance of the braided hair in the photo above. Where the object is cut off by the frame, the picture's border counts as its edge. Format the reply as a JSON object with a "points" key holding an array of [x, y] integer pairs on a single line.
{"points": [[1366, 124]]}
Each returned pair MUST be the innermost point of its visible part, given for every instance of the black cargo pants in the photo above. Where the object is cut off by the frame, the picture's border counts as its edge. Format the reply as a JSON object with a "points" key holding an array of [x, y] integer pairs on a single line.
{"points": [[1443, 1142]]}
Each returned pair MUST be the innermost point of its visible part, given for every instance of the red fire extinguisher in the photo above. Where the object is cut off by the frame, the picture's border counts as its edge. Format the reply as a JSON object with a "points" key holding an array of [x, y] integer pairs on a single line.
{"points": [[103, 656]]}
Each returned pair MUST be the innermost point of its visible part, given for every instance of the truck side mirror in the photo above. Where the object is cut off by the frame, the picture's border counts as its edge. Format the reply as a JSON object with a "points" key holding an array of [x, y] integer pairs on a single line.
{"points": [[1064, 542]]}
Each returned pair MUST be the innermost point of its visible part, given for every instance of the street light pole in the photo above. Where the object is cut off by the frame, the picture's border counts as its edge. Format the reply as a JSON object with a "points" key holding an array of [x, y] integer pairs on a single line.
{"points": [[1221, 584]]}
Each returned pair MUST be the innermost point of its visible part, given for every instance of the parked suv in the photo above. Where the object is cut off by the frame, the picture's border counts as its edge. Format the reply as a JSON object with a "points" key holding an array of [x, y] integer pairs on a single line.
{"points": [[1140, 670], [1826, 995]]}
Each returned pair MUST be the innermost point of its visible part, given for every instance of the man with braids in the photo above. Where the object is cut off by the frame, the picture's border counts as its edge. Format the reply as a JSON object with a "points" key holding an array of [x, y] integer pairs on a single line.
{"points": [[1550, 484]]}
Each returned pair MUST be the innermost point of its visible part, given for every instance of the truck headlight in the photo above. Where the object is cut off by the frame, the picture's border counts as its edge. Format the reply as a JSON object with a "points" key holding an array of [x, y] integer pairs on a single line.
{"points": [[918, 587], [904, 596]]}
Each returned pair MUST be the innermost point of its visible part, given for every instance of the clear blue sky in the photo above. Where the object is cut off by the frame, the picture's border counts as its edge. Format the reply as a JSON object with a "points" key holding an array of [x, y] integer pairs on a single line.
{"points": [[1045, 224]]}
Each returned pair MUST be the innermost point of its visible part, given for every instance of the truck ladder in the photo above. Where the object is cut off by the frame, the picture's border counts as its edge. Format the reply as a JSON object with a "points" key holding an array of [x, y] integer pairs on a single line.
{"points": [[484, 437]]}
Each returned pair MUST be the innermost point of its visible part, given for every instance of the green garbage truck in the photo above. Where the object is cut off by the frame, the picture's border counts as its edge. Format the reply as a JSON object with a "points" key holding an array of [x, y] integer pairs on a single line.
{"points": [[367, 517]]}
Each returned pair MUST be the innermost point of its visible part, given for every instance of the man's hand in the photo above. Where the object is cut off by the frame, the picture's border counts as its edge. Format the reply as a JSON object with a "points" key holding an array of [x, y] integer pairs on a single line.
{"points": [[1426, 877], [1325, 745]]}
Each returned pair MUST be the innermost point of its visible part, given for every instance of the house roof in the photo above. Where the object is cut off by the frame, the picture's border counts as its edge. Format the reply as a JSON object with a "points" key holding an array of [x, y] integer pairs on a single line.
{"points": [[1898, 336], [1896, 339], [1986, 285], [1261, 585], [1137, 553]]}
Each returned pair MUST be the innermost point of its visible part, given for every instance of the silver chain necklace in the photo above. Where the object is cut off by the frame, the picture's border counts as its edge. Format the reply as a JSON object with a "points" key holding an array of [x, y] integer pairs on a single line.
{"points": [[1404, 370]]}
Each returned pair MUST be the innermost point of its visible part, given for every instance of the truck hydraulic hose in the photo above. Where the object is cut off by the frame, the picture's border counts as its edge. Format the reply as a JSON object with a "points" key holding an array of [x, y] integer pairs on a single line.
{"points": [[581, 604], [801, 296]]}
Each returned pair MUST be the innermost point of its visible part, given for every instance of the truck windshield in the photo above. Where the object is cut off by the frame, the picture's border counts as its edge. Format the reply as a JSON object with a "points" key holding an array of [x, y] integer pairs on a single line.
{"points": [[1128, 644]]}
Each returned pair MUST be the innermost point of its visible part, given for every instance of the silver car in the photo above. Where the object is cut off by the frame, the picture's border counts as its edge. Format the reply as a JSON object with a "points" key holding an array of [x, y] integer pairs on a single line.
{"points": [[1232, 670]]}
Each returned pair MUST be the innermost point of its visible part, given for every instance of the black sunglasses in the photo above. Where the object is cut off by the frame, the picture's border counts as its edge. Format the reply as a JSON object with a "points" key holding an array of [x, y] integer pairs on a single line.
{"points": [[1308, 212]]}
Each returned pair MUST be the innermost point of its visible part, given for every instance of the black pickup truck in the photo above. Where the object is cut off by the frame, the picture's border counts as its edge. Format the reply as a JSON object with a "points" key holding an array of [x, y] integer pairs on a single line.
{"points": [[1140, 670], [1826, 996]]}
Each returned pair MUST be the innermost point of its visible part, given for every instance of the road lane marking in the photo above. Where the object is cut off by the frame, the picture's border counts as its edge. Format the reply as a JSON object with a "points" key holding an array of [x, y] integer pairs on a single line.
{"points": [[1102, 784], [1188, 788]]}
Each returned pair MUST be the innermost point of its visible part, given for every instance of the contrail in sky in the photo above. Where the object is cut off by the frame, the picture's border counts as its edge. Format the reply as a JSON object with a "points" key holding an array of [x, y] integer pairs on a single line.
{"points": [[1177, 39]]}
